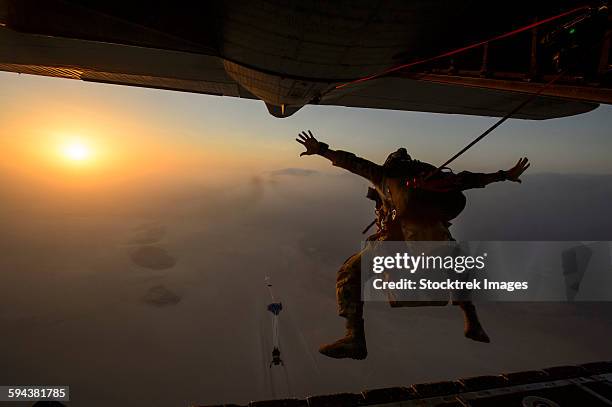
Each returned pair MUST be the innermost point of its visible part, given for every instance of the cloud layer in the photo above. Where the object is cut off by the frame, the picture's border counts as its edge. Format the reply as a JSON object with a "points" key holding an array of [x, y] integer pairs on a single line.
{"points": [[75, 296]]}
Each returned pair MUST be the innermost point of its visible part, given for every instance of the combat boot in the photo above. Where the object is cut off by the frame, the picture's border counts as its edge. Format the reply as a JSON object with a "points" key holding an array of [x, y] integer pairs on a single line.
{"points": [[472, 328], [352, 345]]}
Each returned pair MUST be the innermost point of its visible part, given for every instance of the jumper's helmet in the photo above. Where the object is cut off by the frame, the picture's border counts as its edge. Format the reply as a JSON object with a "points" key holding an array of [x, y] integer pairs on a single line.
{"points": [[397, 159]]}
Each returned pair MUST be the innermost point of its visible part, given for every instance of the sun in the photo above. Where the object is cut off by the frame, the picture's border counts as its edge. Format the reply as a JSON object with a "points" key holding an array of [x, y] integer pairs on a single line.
{"points": [[76, 151]]}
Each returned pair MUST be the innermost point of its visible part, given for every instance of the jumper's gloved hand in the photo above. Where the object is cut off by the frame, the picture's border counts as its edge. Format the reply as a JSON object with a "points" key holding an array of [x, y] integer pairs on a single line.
{"points": [[312, 145], [515, 172]]}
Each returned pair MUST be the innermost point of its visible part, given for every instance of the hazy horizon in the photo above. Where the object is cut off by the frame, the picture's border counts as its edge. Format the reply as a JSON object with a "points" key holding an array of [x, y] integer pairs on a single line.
{"points": [[143, 266]]}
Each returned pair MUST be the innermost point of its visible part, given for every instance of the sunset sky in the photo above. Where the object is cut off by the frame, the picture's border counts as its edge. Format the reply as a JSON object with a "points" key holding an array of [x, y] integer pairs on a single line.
{"points": [[130, 132], [92, 174]]}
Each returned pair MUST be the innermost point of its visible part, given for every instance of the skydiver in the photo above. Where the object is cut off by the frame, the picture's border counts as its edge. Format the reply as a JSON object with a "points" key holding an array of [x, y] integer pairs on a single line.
{"points": [[401, 214], [276, 359]]}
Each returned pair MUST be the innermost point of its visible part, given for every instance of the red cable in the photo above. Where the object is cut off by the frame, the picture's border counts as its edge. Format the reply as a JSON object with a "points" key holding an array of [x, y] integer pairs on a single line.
{"points": [[457, 51]]}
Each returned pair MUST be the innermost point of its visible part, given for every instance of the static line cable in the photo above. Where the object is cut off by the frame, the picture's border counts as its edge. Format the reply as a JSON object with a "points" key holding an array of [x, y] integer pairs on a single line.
{"points": [[496, 124], [508, 115]]}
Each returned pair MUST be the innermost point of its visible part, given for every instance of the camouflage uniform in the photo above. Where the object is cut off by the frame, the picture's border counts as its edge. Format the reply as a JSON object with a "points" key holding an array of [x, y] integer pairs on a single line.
{"points": [[398, 218]]}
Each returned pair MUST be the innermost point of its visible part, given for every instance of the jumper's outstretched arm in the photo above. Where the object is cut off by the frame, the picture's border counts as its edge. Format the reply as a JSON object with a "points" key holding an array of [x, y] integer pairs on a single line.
{"points": [[468, 180], [339, 158]]}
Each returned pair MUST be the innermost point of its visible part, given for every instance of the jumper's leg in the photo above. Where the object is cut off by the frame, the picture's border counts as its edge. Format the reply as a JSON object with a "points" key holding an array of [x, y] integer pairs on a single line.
{"points": [[472, 327], [348, 294]]}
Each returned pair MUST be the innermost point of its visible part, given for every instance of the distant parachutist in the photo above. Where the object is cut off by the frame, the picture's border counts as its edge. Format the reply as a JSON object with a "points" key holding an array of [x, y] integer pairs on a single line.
{"points": [[275, 308], [276, 359]]}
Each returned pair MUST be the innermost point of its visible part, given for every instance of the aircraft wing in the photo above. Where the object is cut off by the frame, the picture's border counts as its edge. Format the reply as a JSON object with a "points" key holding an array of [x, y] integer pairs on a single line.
{"points": [[238, 50], [422, 95], [94, 61]]}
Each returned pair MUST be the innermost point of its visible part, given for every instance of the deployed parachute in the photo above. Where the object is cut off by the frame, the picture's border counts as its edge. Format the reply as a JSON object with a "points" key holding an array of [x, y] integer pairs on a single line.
{"points": [[275, 308]]}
